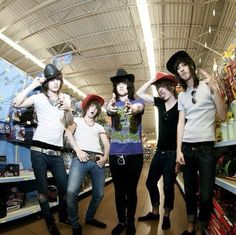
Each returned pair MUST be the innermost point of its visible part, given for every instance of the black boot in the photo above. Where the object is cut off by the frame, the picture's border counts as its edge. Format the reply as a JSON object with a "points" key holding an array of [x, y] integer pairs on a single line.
{"points": [[52, 229], [77, 231]]}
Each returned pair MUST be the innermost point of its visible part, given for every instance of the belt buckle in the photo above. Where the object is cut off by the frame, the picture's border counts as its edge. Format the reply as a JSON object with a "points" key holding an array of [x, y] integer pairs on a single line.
{"points": [[121, 160], [50, 152]]}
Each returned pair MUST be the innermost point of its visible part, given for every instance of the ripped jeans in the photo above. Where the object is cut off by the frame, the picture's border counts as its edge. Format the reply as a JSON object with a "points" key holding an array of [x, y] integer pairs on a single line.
{"points": [[41, 163]]}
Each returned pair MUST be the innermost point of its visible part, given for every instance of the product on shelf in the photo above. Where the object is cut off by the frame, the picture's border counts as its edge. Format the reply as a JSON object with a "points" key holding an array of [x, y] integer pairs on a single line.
{"points": [[7, 170]]}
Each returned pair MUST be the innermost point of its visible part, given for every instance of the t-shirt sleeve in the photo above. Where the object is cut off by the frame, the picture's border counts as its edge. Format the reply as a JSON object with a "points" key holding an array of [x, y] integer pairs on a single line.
{"points": [[180, 104], [157, 101]]}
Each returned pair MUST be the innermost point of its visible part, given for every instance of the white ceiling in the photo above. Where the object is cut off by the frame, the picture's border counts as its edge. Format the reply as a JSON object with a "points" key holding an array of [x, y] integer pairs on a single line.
{"points": [[106, 34]]}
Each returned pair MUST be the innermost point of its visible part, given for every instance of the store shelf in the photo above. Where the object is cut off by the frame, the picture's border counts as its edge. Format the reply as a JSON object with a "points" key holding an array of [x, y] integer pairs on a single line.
{"points": [[31, 207], [226, 184], [225, 143], [24, 176]]}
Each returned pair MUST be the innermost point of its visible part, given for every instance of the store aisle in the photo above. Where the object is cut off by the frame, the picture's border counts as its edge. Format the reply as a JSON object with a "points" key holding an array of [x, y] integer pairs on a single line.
{"points": [[106, 213]]}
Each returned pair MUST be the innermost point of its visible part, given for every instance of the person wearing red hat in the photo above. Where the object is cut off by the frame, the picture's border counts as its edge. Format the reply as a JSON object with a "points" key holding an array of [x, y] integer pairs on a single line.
{"points": [[89, 159], [53, 110], [163, 161], [126, 153], [198, 105]]}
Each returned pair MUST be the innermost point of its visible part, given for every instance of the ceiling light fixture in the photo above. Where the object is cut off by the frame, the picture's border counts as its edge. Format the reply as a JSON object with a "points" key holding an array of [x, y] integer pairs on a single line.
{"points": [[148, 40], [31, 57]]}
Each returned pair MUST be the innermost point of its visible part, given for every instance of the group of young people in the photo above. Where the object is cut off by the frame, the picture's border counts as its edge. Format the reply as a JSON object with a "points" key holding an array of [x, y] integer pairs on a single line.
{"points": [[186, 139]]}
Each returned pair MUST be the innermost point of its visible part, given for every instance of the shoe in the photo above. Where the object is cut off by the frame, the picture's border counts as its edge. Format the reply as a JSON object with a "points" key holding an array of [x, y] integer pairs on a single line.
{"points": [[130, 229], [52, 229], [188, 233], [166, 223], [65, 221], [118, 229], [77, 231], [96, 223], [149, 216]]}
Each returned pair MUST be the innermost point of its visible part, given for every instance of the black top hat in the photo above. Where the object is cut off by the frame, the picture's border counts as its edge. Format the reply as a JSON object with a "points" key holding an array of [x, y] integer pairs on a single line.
{"points": [[51, 71], [121, 74], [176, 59]]}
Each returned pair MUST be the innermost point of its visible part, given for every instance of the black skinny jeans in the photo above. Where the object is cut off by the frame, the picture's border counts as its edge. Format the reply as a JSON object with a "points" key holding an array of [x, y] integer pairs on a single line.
{"points": [[125, 179]]}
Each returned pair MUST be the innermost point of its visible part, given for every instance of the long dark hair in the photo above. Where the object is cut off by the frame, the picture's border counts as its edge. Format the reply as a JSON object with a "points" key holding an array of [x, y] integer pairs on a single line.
{"points": [[183, 84], [130, 88], [169, 86], [45, 84], [96, 103]]}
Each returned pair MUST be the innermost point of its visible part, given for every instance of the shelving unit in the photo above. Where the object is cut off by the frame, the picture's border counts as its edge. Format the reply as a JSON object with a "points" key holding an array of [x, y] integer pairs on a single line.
{"points": [[32, 205]]}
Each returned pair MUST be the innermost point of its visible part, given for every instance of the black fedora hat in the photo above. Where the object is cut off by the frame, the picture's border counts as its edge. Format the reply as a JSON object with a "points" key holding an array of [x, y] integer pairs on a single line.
{"points": [[176, 59], [51, 71], [121, 74]]}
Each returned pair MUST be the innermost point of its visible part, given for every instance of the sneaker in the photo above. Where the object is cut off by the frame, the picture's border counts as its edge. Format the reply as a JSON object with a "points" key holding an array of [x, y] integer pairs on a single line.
{"points": [[188, 233], [77, 231], [166, 223], [96, 223], [149, 216], [130, 229], [118, 229], [52, 229]]}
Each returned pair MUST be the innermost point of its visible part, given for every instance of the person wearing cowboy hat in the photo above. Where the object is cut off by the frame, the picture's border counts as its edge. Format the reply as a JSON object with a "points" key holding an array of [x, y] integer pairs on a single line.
{"points": [[89, 159], [53, 110], [126, 152], [163, 161], [198, 104]]}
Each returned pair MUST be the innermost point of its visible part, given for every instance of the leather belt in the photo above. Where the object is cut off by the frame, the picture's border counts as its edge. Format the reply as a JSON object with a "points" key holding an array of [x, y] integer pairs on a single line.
{"points": [[46, 151]]}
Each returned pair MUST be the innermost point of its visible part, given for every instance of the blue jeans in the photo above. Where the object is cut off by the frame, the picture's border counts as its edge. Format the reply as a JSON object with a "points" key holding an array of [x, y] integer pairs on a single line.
{"points": [[41, 163], [163, 164], [199, 175], [78, 171]]}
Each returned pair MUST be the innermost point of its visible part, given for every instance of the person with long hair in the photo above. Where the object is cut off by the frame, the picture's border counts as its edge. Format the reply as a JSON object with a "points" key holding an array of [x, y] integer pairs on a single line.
{"points": [[53, 110], [90, 156], [126, 152], [198, 104], [163, 161]]}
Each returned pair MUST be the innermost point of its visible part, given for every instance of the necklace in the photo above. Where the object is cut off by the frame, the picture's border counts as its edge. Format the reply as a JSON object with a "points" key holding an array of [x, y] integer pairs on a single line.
{"points": [[54, 103], [89, 124]]}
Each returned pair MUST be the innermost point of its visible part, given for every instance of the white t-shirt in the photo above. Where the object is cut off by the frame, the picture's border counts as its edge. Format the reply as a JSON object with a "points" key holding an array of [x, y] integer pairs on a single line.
{"points": [[51, 121], [200, 117], [88, 137]]}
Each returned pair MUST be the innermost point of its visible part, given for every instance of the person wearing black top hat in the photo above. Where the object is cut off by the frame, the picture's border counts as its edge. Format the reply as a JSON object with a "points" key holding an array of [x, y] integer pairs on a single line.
{"points": [[53, 110], [163, 161], [89, 159], [126, 152], [198, 104]]}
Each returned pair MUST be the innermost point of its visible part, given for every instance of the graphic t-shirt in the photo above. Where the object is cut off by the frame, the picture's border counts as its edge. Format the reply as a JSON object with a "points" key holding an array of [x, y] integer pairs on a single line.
{"points": [[126, 133]]}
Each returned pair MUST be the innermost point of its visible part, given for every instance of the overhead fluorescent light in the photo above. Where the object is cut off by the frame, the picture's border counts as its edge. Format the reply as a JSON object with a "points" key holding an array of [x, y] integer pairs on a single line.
{"points": [[148, 39], [31, 57]]}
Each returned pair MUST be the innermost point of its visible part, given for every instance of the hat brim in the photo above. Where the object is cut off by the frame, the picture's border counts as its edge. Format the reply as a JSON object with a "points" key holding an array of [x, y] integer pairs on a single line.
{"points": [[117, 79], [88, 98], [166, 78], [179, 56], [53, 76]]}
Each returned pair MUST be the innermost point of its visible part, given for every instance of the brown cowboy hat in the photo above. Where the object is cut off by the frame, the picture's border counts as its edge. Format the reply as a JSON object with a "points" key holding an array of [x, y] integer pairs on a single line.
{"points": [[51, 71], [121, 74], [161, 76], [176, 59], [90, 97]]}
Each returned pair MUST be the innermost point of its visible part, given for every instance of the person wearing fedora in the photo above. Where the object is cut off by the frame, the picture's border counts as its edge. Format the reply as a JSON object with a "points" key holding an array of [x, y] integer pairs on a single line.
{"points": [[163, 161], [89, 159], [198, 104], [53, 110], [126, 152]]}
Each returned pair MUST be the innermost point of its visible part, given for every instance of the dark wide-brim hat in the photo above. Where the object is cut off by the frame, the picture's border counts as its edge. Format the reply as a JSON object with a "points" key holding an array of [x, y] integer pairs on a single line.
{"points": [[90, 97], [176, 59], [51, 71], [160, 76], [121, 75]]}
